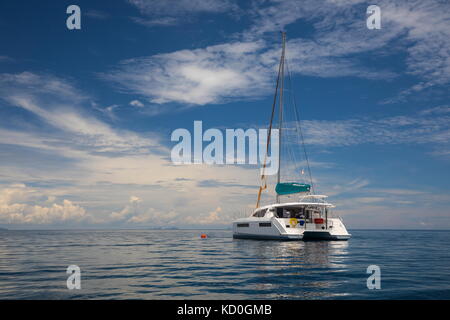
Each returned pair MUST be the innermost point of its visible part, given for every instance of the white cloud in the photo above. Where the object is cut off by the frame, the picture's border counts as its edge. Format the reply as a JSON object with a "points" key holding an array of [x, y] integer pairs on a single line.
{"points": [[5, 58], [417, 28], [436, 110], [211, 75], [179, 7], [42, 84], [135, 200], [136, 103], [395, 208], [156, 217], [60, 105], [164, 21], [15, 208], [129, 210], [232, 71], [171, 12], [351, 186], [215, 217], [429, 126], [244, 69], [95, 14]]}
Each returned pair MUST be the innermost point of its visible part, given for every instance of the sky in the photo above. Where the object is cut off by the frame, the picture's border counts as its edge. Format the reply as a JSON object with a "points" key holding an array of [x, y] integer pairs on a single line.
{"points": [[86, 115]]}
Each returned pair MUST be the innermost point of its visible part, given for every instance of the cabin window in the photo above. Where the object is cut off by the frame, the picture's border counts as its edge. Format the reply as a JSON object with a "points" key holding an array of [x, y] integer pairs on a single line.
{"points": [[265, 224], [287, 212], [280, 212], [260, 213], [243, 225]]}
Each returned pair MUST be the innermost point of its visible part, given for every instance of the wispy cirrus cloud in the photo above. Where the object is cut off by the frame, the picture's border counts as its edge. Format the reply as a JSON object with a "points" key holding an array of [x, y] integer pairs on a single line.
{"points": [[61, 106], [226, 72], [172, 12], [429, 126], [95, 14], [340, 34], [336, 46], [212, 75], [170, 7], [163, 21], [5, 59]]}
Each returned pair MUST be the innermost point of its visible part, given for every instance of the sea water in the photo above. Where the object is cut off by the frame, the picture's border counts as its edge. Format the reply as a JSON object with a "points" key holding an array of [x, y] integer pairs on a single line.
{"points": [[179, 264]]}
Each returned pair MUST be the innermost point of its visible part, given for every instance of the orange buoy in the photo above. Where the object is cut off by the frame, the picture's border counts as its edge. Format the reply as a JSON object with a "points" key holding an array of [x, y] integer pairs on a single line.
{"points": [[203, 236]]}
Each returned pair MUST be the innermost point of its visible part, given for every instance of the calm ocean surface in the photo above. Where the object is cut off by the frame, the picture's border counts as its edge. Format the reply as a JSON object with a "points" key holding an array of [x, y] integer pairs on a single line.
{"points": [[177, 264]]}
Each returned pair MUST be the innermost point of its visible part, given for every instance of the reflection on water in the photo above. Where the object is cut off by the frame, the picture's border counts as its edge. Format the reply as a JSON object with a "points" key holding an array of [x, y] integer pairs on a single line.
{"points": [[145, 264], [298, 262], [326, 253]]}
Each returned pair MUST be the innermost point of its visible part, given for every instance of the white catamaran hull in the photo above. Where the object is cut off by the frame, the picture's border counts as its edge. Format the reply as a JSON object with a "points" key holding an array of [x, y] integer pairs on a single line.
{"points": [[288, 229]]}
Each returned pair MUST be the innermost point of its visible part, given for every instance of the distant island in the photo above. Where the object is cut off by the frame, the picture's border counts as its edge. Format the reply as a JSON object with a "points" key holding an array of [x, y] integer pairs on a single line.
{"points": [[3, 229], [163, 228]]}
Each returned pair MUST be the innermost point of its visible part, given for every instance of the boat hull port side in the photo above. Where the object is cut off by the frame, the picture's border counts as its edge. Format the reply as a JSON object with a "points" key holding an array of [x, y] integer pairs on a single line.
{"points": [[263, 229], [303, 220]]}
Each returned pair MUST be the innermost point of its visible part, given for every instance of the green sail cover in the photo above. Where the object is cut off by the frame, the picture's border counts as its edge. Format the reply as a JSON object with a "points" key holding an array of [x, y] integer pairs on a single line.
{"points": [[291, 187]]}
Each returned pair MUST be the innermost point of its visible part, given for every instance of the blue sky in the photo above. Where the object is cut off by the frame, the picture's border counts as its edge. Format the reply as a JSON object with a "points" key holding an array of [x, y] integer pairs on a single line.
{"points": [[86, 115]]}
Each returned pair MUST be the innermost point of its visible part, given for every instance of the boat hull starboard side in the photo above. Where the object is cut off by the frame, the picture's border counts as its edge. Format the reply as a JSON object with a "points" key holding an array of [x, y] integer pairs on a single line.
{"points": [[324, 235]]}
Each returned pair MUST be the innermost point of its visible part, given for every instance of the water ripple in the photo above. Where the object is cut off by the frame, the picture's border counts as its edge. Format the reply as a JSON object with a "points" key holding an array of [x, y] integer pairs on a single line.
{"points": [[144, 264]]}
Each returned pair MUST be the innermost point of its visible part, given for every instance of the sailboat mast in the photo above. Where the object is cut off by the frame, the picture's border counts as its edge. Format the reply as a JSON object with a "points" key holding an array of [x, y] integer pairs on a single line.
{"points": [[263, 176], [280, 117]]}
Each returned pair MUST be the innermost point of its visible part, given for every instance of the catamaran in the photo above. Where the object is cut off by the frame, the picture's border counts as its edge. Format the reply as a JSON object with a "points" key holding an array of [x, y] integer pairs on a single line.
{"points": [[308, 218]]}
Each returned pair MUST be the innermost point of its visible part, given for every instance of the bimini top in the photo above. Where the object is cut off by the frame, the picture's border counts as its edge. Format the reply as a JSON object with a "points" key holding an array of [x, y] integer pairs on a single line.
{"points": [[284, 188]]}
